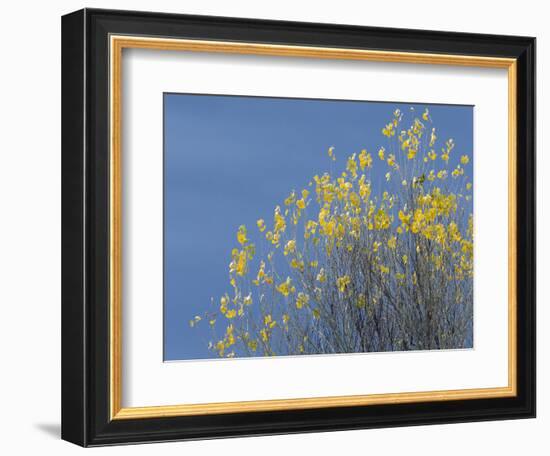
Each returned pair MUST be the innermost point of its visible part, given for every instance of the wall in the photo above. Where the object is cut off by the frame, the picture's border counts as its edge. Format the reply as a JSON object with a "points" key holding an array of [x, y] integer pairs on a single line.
{"points": [[30, 228]]}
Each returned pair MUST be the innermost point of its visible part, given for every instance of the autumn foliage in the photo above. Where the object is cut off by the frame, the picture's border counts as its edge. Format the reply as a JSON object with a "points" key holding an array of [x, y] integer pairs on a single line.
{"points": [[378, 257]]}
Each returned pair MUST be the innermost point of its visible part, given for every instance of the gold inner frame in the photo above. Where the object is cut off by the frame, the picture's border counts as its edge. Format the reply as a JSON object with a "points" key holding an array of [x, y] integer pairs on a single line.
{"points": [[117, 44]]}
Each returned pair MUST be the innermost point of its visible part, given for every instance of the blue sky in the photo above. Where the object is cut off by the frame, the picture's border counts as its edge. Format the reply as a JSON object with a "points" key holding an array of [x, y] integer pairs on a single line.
{"points": [[229, 160]]}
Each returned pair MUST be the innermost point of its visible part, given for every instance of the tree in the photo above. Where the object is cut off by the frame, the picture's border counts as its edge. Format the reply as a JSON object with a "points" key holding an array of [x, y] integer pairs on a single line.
{"points": [[355, 263]]}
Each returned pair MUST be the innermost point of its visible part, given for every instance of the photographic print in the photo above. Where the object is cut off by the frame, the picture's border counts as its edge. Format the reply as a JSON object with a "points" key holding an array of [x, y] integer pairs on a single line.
{"points": [[306, 227], [311, 214]]}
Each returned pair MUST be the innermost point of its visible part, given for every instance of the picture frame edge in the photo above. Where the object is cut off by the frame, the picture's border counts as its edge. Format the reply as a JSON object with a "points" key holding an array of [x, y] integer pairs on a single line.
{"points": [[86, 405]]}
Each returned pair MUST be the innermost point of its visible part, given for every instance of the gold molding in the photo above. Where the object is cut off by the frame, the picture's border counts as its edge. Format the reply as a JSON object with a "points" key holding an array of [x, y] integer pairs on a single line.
{"points": [[115, 235], [168, 44], [308, 403], [512, 227], [117, 44]]}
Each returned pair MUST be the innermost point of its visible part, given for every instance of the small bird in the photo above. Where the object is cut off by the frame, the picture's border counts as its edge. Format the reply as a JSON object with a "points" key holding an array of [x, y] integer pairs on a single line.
{"points": [[420, 180]]}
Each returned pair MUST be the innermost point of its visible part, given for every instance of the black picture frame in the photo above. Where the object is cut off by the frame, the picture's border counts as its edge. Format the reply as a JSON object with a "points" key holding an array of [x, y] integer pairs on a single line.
{"points": [[85, 228]]}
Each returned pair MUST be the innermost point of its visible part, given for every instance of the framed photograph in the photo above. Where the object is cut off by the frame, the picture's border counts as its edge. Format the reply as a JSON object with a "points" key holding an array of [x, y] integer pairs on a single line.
{"points": [[279, 227]]}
